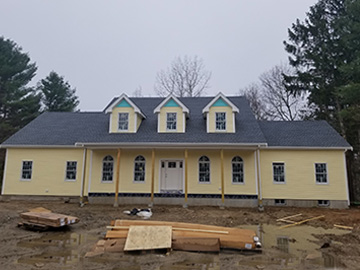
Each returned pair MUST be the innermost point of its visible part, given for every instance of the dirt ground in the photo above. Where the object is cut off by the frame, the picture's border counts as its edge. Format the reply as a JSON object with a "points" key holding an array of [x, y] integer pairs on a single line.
{"points": [[65, 249]]}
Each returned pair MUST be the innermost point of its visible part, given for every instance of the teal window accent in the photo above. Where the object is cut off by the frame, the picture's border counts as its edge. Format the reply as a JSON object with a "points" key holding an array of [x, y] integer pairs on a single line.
{"points": [[171, 103], [220, 103], [123, 103]]}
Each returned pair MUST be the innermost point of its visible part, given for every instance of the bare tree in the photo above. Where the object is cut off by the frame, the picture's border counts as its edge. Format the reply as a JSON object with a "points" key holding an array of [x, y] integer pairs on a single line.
{"points": [[270, 100], [186, 77], [254, 96], [137, 92]]}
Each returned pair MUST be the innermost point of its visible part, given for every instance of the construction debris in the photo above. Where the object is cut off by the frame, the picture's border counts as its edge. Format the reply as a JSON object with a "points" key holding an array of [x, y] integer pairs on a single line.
{"points": [[42, 218], [144, 213], [343, 227], [300, 222], [151, 235]]}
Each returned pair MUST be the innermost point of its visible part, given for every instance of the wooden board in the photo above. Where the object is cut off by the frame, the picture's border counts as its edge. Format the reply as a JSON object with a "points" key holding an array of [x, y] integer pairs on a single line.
{"points": [[40, 210], [197, 244], [148, 237]]}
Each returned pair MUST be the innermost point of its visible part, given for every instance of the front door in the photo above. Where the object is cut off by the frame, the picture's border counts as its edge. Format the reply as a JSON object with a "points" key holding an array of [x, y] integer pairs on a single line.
{"points": [[171, 176]]}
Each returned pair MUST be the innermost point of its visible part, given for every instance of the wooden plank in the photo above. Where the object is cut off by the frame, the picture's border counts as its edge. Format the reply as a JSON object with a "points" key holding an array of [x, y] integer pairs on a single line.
{"points": [[115, 245], [40, 210], [301, 222], [196, 244], [148, 237], [286, 221], [343, 227], [280, 219], [116, 234], [174, 228]]}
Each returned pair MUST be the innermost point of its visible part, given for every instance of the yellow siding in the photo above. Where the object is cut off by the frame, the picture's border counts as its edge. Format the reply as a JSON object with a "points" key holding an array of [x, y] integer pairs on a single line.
{"points": [[138, 122], [114, 116], [300, 175], [48, 172], [180, 120], [229, 119]]}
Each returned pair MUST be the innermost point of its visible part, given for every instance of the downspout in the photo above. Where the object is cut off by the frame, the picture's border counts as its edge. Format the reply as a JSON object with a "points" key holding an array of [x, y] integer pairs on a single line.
{"points": [[83, 178]]}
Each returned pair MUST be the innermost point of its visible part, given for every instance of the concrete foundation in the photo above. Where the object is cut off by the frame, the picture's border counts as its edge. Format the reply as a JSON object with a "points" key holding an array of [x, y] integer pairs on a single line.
{"points": [[307, 203]]}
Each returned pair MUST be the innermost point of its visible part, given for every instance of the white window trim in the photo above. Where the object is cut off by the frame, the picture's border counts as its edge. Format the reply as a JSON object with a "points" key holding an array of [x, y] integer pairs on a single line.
{"points": [[32, 170], [128, 122], [221, 130], [76, 172], [327, 173], [204, 183], [139, 182], [272, 167], [102, 170], [232, 172], [176, 122]]}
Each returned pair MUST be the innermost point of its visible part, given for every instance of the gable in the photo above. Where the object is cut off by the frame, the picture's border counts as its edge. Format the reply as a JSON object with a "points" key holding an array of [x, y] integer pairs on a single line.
{"points": [[220, 103], [171, 103], [123, 104]]}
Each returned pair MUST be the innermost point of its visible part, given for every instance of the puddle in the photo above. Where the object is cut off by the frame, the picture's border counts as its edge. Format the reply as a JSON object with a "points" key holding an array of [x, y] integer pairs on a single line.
{"points": [[287, 248], [62, 248]]}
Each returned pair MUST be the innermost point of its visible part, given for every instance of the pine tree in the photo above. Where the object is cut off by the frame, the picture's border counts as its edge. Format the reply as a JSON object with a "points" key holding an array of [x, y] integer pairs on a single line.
{"points": [[19, 104], [57, 95]]}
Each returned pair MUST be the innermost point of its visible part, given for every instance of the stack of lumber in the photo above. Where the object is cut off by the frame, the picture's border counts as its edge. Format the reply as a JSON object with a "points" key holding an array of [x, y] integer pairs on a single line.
{"points": [[145, 235], [42, 217]]}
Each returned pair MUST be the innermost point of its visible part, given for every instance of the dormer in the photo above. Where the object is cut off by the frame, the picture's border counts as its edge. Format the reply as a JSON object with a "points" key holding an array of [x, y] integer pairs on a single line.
{"points": [[125, 116], [172, 114], [220, 115]]}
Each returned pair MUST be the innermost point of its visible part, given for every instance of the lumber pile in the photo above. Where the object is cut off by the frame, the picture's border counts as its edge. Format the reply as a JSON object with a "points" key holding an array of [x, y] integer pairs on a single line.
{"points": [[150, 235], [295, 223], [44, 218]]}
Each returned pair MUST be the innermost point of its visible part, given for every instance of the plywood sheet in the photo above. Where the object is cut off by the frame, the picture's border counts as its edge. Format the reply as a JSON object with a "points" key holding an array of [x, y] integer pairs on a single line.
{"points": [[148, 237]]}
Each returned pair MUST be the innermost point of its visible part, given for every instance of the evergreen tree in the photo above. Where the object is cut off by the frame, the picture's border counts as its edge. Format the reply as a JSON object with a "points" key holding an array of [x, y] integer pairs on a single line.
{"points": [[57, 94], [19, 104], [325, 50]]}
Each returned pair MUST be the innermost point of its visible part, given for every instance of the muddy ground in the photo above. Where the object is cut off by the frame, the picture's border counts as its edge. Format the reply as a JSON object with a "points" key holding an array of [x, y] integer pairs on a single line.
{"points": [[65, 249]]}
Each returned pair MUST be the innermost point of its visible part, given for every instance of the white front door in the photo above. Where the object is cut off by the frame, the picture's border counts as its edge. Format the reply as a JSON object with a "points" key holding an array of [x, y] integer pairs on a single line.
{"points": [[171, 176]]}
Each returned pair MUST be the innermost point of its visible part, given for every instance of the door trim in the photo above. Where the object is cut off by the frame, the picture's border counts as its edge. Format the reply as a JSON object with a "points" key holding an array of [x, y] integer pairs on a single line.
{"points": [[183, 172]]}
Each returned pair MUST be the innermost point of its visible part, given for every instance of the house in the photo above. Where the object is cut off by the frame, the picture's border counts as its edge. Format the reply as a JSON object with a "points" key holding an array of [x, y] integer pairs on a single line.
{"points": [[201, 150]]}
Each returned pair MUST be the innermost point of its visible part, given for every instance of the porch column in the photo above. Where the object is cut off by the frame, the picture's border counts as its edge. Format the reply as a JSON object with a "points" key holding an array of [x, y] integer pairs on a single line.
{"points": [[116, 202], [222, 177], [152, 176], [186, 177], [83, 177], [258, 172]]}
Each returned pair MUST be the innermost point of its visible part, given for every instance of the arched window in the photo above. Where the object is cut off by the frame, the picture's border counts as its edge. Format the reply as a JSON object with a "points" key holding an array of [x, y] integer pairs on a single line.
{"points": [[237, 170], [204, 169], [107, 169], [139, 169]]}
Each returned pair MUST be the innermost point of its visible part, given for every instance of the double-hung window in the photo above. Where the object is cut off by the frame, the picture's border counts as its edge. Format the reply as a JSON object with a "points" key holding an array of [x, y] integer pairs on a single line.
{"points": [[279, 172], [220, 121], [237, 170], [123, 123], [107, 169], [139, 169], [71, 170], [321, 173], [26, 170], [171, 121], [204, 169]]}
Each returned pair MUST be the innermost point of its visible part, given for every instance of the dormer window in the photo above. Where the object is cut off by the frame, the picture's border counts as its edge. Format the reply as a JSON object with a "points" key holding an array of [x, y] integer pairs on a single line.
{"points": [[123, 123], [171, 121], [220, 121]]}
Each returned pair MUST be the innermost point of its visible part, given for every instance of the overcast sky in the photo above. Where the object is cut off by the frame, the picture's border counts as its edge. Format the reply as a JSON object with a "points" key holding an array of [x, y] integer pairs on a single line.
{"points": [[105, 48]]}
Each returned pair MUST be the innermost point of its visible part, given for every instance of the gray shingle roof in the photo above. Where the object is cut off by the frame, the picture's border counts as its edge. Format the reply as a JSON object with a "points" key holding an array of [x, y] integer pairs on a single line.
{"points": [[301, 134], [64, 128]]}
